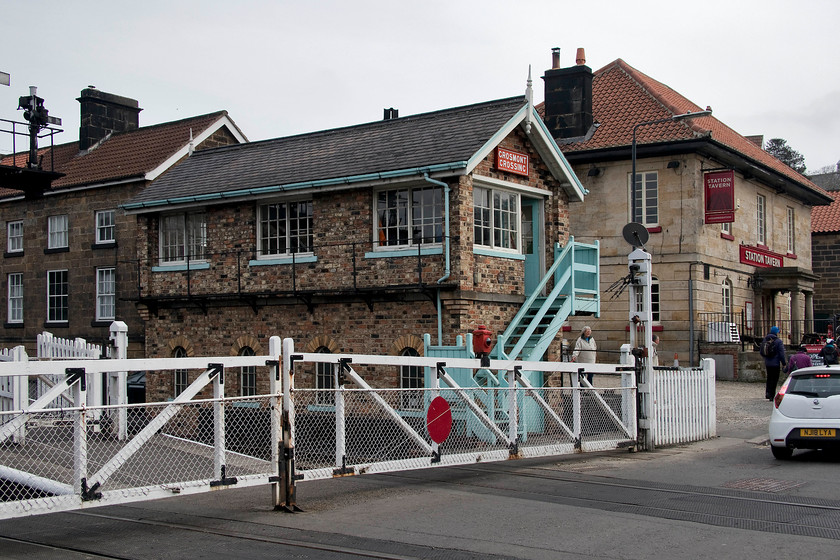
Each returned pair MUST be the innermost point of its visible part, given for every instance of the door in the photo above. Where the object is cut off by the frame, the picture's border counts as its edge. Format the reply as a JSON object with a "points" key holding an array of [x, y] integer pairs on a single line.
{"points": [[532, 243]]}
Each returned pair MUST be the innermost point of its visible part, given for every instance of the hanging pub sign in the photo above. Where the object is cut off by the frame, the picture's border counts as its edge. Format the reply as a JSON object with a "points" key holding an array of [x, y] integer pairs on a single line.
{"points": [[720, 196], [512, 162], [758, 257]]}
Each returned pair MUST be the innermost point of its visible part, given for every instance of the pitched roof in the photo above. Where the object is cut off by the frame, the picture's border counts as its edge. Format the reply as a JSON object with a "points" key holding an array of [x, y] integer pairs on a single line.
{"points": [[826, 219], [435, 141], [120, 156], [622, 97]]}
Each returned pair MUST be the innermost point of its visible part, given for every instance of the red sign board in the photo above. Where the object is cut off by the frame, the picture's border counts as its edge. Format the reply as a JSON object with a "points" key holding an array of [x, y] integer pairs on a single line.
{"points": [[439, 420], [719, 187], [760, 257], [512, 162]]}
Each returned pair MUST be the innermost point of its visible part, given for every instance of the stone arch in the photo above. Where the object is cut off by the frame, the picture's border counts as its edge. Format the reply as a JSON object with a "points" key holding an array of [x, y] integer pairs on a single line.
{"points": [[183, 342], [406, 341], [246, 340], [321, 341]]}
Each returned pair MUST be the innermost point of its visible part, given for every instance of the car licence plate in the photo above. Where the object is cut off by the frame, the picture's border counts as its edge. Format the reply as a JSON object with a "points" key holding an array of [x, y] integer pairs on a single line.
{"points": [[817, 432]]}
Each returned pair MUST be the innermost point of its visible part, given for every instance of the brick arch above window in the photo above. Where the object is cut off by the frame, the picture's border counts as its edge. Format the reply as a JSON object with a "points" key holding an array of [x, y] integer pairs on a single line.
{"points": [[183, 342], [406, 341], [321, 341], [246, 341]]}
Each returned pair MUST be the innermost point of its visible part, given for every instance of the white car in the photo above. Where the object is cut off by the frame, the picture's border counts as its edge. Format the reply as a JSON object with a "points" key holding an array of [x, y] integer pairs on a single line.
{"points": [[806, 414]]}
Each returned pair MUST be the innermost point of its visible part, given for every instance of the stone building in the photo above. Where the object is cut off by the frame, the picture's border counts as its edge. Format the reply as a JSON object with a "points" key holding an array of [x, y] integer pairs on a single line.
{"points": [[354, 240], [69, 263], [726, 267], [825, 254]]}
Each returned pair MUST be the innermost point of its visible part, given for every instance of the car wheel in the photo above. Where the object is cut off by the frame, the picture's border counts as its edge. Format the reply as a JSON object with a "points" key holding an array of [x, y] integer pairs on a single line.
{"points": [[781, 452]]}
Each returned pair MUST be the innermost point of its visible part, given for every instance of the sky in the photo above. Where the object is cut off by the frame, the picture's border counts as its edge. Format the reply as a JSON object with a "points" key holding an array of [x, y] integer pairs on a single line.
{"points": [[288, 67]]}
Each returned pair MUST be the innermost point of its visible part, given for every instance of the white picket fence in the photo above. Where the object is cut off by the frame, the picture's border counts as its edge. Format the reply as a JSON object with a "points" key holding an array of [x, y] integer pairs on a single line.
{"points": [[684, 406]]}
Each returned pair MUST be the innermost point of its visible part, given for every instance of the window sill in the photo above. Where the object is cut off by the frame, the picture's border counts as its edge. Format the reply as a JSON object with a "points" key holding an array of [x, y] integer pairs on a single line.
{"points": [[181, 267], [109, 245], [57, 325], [655, 229], [102, 322], [9, 255], [727, 236], [791, 256], [56, 250], [385, 252], [12, 325], [283, 260], [654, 328], [496, 253]]}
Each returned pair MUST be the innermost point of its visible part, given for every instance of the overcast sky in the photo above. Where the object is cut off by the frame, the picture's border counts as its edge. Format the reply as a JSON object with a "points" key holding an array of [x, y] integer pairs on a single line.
{"points": [[287, 67]]}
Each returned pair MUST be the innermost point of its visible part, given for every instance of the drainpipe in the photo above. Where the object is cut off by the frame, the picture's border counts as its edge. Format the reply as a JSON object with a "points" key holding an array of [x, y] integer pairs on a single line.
{"points": [[691, 313], [446, 247]]}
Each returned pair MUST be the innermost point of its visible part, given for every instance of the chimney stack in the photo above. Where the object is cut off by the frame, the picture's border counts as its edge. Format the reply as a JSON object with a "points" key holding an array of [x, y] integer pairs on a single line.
{"points": [[103, 113], [568, 97]]}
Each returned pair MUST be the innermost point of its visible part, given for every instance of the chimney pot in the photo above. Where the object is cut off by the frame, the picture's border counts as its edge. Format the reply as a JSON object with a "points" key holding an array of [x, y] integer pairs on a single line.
{"points": [[580, 58], [555, 58]]}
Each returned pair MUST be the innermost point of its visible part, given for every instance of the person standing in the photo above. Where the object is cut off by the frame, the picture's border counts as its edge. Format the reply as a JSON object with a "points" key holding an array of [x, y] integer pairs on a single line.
{"points": [[654, 351], [585, 349], [799, 360], [829, 353], [773, 351]]}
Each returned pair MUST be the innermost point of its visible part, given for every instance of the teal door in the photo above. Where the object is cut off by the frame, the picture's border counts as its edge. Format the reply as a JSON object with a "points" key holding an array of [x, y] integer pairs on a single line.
{"points": [[531, 243]]}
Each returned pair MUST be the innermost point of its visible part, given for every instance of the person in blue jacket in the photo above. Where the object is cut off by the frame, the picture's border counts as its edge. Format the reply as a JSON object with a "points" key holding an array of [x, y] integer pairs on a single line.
{"points": [[773, 351]]}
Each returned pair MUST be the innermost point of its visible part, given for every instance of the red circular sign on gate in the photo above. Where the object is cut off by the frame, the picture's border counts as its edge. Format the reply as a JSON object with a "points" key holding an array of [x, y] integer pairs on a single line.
{"points": [[439, 420]]}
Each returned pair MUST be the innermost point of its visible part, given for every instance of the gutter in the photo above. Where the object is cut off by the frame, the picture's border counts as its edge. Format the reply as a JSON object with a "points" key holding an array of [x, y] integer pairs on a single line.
{"points": [[137, 207], [447, 268]]}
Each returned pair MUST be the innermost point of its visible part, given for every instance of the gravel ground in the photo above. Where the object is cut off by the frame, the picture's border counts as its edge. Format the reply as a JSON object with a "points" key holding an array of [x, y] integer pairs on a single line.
{"points": [[741, 407]]}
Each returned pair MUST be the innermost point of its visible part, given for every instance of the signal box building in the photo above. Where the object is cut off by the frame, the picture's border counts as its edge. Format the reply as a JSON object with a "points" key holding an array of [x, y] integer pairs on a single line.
{"points": [[356, 240]]}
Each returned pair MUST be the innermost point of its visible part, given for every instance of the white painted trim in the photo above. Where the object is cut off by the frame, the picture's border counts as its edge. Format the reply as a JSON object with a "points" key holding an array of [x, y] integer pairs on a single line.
{"points": [[481, 180]]}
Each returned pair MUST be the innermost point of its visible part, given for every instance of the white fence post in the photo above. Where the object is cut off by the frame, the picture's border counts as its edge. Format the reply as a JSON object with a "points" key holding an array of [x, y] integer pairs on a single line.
{"points": [[80, 432], [219, 422], [118, 381], [286, 476], [708, 366]]}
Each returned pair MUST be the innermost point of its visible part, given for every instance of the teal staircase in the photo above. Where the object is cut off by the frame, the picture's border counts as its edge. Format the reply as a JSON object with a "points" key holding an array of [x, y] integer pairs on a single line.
{"points": [[575, 291]]}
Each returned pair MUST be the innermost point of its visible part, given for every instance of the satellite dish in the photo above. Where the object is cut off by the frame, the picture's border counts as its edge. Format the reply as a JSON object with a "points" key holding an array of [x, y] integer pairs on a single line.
{"points": [[635, 234]]}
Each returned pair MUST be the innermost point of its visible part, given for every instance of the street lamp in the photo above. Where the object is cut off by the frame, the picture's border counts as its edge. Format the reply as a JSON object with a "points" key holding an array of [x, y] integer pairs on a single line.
{"points": [[674, 118]]}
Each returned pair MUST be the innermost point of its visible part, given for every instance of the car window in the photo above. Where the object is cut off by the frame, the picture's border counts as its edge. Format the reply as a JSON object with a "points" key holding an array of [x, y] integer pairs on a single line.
{"points": [[815, 384]]}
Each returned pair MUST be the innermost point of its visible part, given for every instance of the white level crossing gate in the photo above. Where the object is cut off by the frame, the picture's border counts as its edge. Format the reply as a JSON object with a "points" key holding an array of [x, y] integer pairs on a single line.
{"points": [[85, 456]]}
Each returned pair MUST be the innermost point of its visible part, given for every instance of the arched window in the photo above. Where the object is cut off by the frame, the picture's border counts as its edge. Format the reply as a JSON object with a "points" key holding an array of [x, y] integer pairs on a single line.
{"points": [[324, 380], [726, 300], [181, 376], [411, 377], [247, 375]]}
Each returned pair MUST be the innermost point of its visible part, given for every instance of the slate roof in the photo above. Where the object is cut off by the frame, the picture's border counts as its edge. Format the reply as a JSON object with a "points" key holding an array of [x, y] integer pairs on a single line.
{"points": [[121, 156], [437, 139], [623, 97], [826, 219]]}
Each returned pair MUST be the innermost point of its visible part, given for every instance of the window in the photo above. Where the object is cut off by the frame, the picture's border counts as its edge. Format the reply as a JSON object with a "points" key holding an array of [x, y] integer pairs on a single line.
{"points": [[106, 294], [57, 235], [324, 380], [181, 376], [791, 231], [58, 298], [183, 237], [285, 228], [654, 300], [247, 375], [411, 377], [496, 218], [410, 216], [14, 237], [726, 300], [761, 219], [726, 227], [15, 301], [105, 226], [647, 199]]}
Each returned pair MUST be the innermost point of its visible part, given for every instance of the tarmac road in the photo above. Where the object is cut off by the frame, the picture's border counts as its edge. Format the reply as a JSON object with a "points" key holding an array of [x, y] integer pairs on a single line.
{"points": [[722, 498]]}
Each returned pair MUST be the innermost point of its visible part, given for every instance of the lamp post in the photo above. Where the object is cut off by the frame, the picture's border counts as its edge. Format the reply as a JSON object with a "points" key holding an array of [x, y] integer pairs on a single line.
{"points": [[674, 118]]}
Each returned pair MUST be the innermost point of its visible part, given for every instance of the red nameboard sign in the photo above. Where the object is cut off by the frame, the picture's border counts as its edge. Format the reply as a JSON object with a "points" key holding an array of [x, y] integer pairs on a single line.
{"points": [[512, 162], [720, 196], [759, 257]]}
